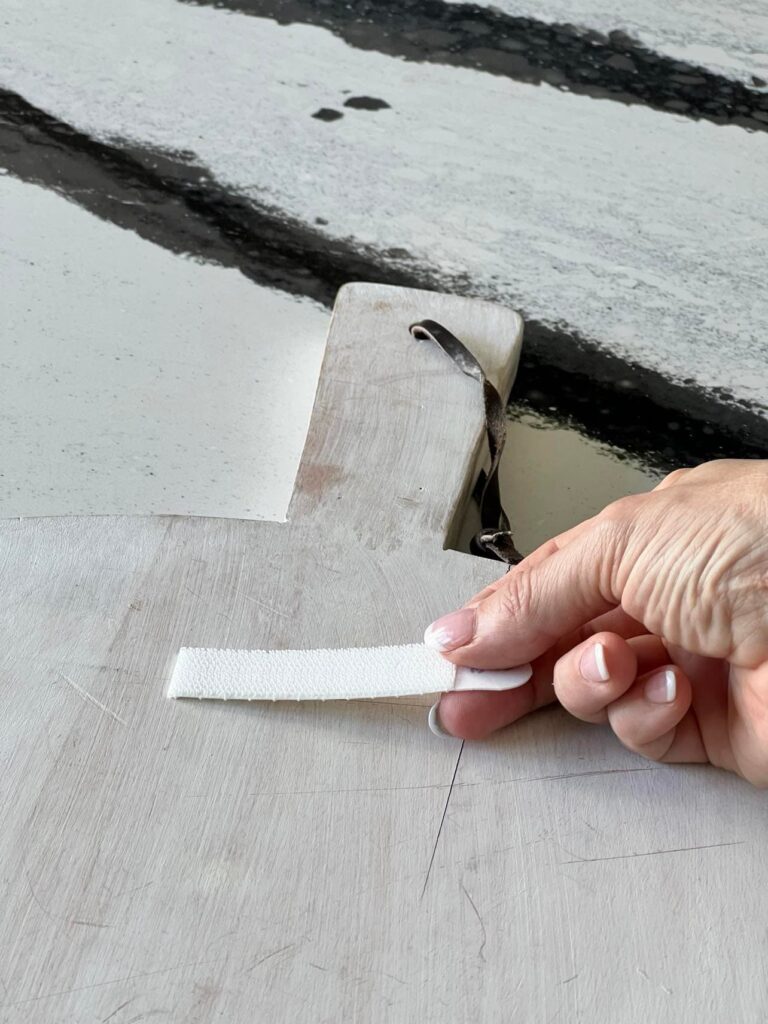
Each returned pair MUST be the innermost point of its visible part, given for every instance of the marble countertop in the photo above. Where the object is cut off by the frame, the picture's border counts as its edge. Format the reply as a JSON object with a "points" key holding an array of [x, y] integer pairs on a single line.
{"points": [[188, 184]]}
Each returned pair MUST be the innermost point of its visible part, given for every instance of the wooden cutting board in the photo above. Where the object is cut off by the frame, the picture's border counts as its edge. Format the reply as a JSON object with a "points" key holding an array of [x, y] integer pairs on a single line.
{"points": [[178, 861]]}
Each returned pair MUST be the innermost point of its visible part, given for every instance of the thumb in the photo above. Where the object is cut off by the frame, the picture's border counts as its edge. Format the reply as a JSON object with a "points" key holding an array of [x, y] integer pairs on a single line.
{"points": [[534, 605]]}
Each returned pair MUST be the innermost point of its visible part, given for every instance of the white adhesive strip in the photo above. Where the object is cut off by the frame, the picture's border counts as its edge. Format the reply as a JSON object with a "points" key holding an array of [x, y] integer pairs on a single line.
{"points": [[344, 674]]}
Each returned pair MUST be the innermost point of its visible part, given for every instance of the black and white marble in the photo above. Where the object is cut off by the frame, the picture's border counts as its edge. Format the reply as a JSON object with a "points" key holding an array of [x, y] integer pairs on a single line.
{"points": [[601, 167]]}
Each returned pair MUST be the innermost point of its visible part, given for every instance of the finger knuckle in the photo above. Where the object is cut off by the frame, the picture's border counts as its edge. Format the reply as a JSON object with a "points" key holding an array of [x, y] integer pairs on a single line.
{"points": [[517, 598], [674, 477], [623, 509]]}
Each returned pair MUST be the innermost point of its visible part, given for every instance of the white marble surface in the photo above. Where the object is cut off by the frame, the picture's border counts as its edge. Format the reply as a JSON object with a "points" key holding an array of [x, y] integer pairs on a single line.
{"points": [[643, 230], [138, 382], [731, 38]]}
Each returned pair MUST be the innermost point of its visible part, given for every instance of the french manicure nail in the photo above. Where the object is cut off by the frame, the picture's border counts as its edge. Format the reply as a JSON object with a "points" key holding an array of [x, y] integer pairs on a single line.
{"points": [[661, 688], [433, 720], [593, 666], [451, 631]]}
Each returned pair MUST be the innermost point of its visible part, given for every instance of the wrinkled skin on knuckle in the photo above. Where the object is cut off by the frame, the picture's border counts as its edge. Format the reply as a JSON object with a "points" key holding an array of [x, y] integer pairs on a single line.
{"points": [[675, 477], [675, 588], [695, 572], [615, 541], [516, 598], [624, 510], [735, 584], [697, 564], [747, 610]]}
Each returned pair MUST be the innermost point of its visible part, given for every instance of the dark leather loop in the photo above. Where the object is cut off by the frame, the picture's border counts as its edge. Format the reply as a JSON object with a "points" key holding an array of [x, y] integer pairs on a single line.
{"points": [[494, 539]]}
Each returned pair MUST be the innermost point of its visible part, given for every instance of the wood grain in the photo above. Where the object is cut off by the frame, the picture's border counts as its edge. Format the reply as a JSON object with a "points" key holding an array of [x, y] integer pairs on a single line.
{"points": [[322, 862]]}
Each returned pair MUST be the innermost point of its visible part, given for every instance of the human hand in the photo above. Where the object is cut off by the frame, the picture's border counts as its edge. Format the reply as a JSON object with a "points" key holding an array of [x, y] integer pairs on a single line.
{"points": [[652, 616]]}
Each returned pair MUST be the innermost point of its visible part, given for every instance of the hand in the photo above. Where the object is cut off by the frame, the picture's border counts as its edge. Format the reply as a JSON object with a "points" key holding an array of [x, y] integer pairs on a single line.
{"points": [[652, 616]]}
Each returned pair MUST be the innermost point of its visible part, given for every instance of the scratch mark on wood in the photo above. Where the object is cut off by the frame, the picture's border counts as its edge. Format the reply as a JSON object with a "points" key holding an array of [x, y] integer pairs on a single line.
{"points": [[653, 853], [396, 702], [580, 883], [567, 981], [56, 917], [557, 778], [322, 565], [571, 853], [337, 791], [118, 981], [395, 378], [93, 700], [481, 950], [644, 974], [117, 1009], [442, 820], [98, 667], [393, 977], [218, 938], [269, 956], [130, 892], [207, 604], [592, 828], [265, 606], [404, 718]]}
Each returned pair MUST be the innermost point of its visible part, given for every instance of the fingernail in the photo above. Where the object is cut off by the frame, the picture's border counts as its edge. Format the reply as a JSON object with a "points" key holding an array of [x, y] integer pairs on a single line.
{"points": [[661, 688], [433, 720], [451, 631], [593, 665]]}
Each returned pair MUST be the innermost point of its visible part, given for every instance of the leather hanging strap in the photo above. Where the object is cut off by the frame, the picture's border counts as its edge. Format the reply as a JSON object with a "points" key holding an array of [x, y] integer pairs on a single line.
{"points": [[494, 539]]}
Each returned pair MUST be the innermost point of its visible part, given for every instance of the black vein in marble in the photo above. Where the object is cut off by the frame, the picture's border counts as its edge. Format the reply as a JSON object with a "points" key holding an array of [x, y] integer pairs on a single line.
{"points": [[171, 201], [612, 67]]}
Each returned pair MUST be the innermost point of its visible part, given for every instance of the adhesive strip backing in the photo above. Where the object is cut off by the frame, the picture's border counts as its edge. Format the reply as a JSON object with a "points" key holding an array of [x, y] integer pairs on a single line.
{"points": [[342, 674]]}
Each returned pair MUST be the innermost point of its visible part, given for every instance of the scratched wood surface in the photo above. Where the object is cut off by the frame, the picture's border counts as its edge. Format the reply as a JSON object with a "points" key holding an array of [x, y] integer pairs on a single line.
{"points": [[194, 862]]}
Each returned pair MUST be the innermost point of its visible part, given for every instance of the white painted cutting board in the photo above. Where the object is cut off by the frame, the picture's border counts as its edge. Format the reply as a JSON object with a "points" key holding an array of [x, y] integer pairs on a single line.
{"points": [[194, 862]]}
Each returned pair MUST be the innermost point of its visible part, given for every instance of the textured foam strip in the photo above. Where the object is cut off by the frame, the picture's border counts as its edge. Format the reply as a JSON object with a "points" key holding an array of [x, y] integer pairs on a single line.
{"points": [[343, 674]]}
